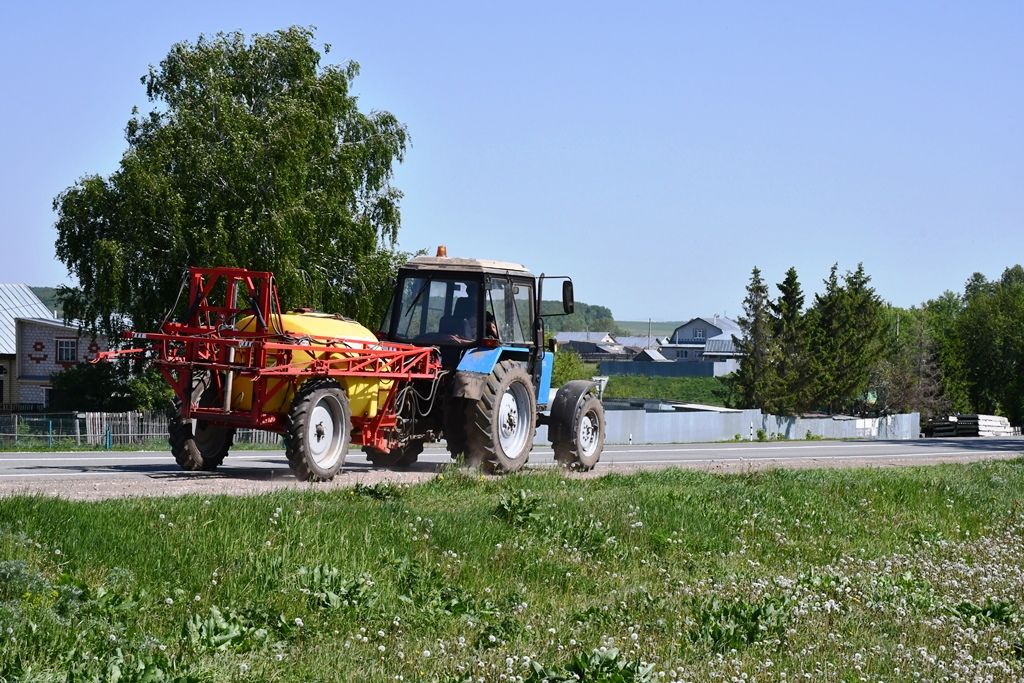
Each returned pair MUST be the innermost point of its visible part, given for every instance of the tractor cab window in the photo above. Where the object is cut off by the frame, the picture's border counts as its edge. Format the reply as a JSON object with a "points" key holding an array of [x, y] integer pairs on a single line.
{"points": [[511, 305], [437, 310]]}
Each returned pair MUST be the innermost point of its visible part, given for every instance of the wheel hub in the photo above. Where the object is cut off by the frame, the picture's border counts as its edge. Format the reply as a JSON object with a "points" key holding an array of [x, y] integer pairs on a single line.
{"points": [[322, 437], [514, 421], [588, 435]]}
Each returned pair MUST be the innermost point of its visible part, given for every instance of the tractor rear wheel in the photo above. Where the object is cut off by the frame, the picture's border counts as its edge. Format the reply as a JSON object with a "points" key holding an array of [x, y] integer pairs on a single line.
{"points": [[318, 431], [398, 457], [583, 449], [198, 445], [454, 426], [501, 425]]}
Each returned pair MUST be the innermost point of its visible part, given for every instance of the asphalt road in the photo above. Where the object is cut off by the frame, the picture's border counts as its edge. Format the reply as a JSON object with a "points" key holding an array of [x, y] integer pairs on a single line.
{"points": [[112, 473]]}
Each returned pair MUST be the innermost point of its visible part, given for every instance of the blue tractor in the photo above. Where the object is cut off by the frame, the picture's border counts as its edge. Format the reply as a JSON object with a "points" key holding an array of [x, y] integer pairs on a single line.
{"points": [[495, 385]]}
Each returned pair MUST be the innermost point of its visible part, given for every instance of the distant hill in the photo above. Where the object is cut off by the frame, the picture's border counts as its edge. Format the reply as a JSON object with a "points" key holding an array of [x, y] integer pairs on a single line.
{"points": [[638, 328], [585, 317], [48, 295]]}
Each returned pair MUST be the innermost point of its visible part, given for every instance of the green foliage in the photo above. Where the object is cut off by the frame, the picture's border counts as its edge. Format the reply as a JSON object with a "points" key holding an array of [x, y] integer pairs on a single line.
{"points": [[846, 339], [907, 376], [607, 666], [108, 387], [723, 625], [254, 154], [993, 609], [795, 361], [991, 341], [793, 367], [569, 366], [712, 391], [48, 295], [757, 383], [584, 317], [223, 631], [519, 509]]}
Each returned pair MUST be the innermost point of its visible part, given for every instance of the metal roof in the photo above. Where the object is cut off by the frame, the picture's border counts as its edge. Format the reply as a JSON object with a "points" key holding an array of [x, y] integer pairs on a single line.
{"points": [[465, 264], [595, 337], [722, 344], [17, 301], [726, 325]]}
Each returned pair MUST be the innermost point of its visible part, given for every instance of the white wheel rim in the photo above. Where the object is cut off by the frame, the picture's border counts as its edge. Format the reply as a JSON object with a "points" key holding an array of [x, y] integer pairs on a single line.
{"points": [[588, 435], [323, 434], [513, 420]]}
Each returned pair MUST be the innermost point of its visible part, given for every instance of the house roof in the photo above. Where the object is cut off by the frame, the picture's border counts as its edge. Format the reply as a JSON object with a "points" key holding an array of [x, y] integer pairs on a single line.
{"points": [[595, 337], [638, 342], [17, 301], [726, 325], [720, 345], [51, 322], [652, 355]]}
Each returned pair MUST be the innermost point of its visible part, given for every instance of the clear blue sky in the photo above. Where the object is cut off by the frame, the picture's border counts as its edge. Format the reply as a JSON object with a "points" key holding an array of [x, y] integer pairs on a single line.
{"points": [[655, 151]]}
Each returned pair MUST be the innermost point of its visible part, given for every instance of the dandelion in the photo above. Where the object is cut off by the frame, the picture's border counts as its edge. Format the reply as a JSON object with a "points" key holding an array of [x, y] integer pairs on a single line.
{"points": [[56, 551], [169, 601], [243, 667], [426, 653], [278, 657], [298, 622]]}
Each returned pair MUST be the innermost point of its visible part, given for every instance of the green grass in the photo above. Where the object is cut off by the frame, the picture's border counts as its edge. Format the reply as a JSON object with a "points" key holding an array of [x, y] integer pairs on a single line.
{"points": [[834, 574], [707, 390]]}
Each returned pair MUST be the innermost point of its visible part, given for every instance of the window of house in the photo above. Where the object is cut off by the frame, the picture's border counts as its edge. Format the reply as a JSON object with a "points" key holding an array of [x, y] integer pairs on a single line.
{"points": [[67, 349], [698, 333], [46, 397], [686, 354]]}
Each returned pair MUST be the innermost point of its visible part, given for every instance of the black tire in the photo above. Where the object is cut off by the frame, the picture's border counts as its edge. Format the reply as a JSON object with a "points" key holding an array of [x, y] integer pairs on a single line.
{"points": [[199, 448], [499, 436], [198, 445], [319, 429], [405, 456], [454, 426], [584, 448]]}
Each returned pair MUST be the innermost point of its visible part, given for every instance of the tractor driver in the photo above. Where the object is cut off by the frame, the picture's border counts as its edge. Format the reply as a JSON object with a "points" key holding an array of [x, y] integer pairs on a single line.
{"points": [[490, 326]]}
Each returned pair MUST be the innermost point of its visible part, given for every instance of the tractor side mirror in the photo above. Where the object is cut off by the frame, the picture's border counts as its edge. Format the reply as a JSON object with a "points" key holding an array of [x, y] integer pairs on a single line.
{"points": [[568, 305]]}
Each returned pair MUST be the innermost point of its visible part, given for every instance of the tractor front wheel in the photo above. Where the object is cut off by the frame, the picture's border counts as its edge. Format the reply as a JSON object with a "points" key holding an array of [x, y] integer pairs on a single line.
{"points": [[319, 429], [586, 437], [502, 423]]}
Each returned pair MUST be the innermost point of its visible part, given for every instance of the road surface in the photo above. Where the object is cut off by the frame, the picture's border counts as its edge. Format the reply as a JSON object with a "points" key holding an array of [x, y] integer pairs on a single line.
{"points": [[106, 474]]}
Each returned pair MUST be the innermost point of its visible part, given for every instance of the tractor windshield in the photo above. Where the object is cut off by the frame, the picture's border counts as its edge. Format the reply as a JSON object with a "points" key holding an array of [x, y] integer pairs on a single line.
{"points": [[432, 309]]}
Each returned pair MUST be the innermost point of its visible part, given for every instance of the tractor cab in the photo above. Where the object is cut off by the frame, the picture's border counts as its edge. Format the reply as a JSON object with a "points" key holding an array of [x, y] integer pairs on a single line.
{"points": [[459, 304]]}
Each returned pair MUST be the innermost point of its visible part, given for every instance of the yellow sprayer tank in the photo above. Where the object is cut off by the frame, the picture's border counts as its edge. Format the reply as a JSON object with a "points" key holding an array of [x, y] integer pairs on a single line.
{"points": [[364, 393]]}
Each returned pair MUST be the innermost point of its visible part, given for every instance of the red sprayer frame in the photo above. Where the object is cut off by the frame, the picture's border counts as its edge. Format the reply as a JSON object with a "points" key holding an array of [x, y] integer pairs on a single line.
{"points": [[209, 341]]}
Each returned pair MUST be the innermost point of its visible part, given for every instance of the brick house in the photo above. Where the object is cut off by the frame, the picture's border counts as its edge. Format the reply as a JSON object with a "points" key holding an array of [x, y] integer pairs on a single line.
{"points": [[46, 346], [16, 300]]}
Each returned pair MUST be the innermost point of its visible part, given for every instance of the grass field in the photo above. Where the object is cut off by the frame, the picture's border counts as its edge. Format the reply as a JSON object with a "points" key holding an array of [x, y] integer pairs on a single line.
{"points": [[706, 390], [903, 574]]}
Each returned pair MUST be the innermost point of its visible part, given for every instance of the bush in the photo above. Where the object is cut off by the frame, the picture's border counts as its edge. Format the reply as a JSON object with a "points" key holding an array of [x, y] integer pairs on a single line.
{"points": [[568, 366]]}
